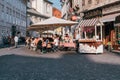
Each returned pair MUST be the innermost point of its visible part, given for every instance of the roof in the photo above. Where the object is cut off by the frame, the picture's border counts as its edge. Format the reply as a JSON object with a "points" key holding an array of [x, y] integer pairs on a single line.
{"points": [[33, 11], [51, 23], [89, 22], [48, 1]]}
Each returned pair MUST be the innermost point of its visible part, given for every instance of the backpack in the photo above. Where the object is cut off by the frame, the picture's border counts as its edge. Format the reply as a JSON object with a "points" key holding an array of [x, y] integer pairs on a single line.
{"points": [[39, 44]]}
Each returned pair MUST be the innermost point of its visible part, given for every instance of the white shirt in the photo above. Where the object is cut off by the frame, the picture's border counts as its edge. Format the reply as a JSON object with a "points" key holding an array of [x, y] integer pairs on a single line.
{"points": [[16, 39], [56, 42], [97, 37], [77, 36]]}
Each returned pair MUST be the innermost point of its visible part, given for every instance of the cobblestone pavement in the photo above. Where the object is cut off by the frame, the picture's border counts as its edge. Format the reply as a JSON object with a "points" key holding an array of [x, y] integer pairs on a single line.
{"points": [[24, 64]]}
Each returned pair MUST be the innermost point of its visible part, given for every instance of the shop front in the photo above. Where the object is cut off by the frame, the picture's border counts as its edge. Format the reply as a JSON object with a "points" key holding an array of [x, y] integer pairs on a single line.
{"points": [[116, 45], [109, 13], [109, 31]]}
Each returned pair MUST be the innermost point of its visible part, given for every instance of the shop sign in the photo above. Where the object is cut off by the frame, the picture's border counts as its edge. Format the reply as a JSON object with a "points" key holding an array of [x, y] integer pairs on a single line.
{"points": [[93, 13], [111, 8]]}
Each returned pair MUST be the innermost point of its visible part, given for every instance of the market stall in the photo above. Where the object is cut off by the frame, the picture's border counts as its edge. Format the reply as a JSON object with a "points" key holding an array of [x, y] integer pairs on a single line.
{"points": [[91, 41]]}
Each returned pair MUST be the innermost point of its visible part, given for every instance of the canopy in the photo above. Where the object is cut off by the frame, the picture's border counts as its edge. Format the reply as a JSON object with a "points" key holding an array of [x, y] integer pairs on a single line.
{"points": [[90, 22], [49, 31], [51, 23]]}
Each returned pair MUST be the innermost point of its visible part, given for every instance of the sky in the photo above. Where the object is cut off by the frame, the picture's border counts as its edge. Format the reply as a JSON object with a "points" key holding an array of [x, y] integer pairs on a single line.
{"points": [[56, 3]]}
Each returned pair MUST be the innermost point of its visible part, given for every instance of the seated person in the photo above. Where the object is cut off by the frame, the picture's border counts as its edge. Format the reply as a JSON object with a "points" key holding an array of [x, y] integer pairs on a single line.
{"points": [[39, 45], [55, 43], [33, 47], [66, 38]]}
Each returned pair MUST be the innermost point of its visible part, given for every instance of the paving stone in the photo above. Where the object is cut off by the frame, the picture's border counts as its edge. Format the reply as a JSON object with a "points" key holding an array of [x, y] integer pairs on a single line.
{"points": [[24, 64]]}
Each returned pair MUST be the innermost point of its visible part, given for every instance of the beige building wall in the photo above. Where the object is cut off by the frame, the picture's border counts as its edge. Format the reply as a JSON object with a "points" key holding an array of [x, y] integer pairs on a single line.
{"points": [[42, 6], [42, 9]]}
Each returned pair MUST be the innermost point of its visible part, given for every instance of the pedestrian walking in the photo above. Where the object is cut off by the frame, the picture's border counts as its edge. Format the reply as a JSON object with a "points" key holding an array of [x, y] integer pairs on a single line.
{"points": [[16, 41]]}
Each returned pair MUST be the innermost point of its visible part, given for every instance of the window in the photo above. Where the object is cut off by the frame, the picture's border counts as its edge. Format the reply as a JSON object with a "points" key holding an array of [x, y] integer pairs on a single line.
{"points": [[97, 1], [10, 11], [13, 12], [89, 1], [47, 8], [2, 8], [118, 34], [7, 10], [83, 2]]}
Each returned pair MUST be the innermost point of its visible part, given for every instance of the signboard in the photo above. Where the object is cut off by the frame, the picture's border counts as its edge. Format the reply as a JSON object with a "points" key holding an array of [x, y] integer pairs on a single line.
{"points": [[93, 13], [111, 9]]}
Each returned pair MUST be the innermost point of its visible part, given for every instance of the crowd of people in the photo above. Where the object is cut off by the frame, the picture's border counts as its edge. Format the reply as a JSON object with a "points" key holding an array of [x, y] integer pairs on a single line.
{"points": [[46, 44], [42, 44], [9, 41]]}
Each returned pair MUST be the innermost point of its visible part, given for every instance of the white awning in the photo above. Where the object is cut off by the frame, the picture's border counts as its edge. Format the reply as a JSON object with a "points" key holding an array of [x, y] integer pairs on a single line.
{"points": [[109, 18]]}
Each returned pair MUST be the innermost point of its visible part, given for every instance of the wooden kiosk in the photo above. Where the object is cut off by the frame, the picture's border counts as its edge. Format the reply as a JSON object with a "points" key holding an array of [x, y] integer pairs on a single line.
{"points": [[91, 41]]}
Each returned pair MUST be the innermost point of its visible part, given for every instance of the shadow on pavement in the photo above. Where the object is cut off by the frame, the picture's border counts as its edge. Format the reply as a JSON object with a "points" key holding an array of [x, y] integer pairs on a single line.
{"points": [[68, 67]]}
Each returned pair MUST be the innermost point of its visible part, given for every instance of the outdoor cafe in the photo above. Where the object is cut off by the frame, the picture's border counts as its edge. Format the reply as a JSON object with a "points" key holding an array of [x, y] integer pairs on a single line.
{"points": [[51, 24]]}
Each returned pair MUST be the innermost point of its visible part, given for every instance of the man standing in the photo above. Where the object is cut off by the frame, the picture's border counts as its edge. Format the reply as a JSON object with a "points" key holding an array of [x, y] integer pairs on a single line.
{"points": [[77, 41], [56, 43], [16, 41]]}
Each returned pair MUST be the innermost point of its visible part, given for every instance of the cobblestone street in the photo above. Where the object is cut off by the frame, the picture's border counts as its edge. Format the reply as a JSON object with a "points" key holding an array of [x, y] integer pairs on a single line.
{"points": [[23, 64]]}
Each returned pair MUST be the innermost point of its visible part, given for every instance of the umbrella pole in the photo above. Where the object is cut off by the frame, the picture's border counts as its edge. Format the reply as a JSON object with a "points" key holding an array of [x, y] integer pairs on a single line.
{"points": [[47, 33]]}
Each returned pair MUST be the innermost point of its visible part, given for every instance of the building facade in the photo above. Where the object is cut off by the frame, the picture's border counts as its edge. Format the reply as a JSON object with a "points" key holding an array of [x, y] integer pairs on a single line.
{"points": [[56, 12], [65, 7], [69, 12], [106, 11], [38, 10], [13, 16], [42, 6]]}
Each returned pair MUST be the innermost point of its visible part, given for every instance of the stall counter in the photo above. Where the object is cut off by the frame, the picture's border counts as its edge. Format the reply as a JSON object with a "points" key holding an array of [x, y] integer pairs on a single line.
{"points": [[90, 46]]}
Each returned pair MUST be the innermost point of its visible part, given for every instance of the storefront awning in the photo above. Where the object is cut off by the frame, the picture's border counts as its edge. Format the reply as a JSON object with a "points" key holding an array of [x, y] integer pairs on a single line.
{"points": [[109, 18], [89, 22]]}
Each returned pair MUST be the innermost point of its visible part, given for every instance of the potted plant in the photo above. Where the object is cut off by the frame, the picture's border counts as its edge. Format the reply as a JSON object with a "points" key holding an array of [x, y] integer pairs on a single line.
{"points": [[109, 46]]}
